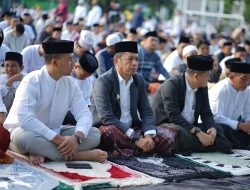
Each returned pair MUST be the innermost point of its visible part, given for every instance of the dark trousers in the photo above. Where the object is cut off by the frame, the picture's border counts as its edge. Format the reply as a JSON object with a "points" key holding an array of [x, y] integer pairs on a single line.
{"points": [[69, 119], [186, 141], [238, 138]]}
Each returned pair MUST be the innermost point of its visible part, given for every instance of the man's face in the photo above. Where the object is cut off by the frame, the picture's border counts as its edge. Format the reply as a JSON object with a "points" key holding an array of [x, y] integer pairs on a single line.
{"points": [[203, 50], [227, 50], [11, 68], [241, 55], [180, 47], [80, 73], [127, 64], [201, 79], [151, 43], [240, 81], [65, 64]]}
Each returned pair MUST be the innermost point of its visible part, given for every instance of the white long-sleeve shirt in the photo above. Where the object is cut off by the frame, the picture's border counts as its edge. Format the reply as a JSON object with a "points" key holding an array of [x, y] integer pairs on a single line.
{"points": [[2, 106], [32, 60], [189, 107], [86, 87], [94, 15], [41, 104], [228, 105], [7, 93]]}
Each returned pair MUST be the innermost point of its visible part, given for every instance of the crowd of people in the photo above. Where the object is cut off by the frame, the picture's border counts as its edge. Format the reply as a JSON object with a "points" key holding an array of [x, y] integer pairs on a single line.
{"points": [[94, 84]]}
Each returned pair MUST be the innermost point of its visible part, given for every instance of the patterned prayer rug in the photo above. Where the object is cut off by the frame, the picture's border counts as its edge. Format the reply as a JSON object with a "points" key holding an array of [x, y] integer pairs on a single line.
{"points": [[21, 176], [237, 163], [107, 173], [170, 168]]}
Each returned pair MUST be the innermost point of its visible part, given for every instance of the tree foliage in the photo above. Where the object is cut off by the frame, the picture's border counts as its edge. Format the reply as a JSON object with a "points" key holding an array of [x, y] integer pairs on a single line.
{"points": [[228, 5], [246, 13]]}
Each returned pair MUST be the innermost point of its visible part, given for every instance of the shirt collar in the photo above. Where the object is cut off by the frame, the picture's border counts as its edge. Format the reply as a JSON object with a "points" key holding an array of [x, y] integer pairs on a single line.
{"points": [[50, 79], [189, 87], [231, 87], [122, 81]]}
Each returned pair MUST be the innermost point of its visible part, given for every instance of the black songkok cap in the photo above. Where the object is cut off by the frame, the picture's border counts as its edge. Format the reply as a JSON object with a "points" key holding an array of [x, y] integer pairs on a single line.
{"points": [[88, 62], [151, 33], [57, 29], [14, 56], [230, 61], [184, 39], [58, 46], [227, 44], [200, 62], [132, 31], [126, 46], [247, 42], [240, 67]]}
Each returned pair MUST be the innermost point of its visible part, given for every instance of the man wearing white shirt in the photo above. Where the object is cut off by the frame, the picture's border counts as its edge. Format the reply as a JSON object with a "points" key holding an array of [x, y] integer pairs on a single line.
{"points": [[3, 48], [94, 14], [121, 108], [10, 81], [230, 100], [83, 72], [175, 58], [33, 58], [42, 100]]}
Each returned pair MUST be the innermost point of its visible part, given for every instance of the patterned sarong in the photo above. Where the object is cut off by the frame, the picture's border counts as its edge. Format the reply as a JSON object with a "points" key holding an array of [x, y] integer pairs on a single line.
{"points": [[113, 139]]}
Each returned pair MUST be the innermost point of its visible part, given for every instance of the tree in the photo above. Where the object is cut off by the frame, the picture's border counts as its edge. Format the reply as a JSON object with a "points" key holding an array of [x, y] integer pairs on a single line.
{"points": [[246, 13]]}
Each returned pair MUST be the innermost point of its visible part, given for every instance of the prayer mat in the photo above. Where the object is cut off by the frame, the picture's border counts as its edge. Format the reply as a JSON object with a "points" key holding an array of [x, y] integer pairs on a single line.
{"points": [[170, 168], [21, 176], [101, 174], [236, 163]]}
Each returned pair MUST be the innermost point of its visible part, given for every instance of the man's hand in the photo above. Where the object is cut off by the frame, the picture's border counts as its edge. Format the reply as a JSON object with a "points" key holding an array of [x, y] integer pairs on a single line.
{"points": [[16, 77], [244, 127], [205, 139], [58, 139], [212, 132], [68, 146], [153, 87]]}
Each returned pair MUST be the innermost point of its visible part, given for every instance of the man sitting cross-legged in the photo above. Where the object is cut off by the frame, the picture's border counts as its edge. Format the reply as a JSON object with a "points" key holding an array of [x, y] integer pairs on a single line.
{"points": [[120, 99], [181, 100], [230, 99], [40, 105]]}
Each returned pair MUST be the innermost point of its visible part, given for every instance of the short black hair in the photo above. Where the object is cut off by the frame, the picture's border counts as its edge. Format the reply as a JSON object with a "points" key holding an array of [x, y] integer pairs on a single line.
{"points": [[20, 28]]}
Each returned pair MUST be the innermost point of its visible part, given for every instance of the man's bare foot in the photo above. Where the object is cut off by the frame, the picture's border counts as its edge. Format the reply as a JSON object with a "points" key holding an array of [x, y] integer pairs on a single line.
{"points": [[95, 155], [36, 159]]}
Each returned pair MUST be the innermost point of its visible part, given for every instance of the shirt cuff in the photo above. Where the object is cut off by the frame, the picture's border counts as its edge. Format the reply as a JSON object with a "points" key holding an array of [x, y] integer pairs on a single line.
{"points": [[150, 132], [50, 135], [129, 132], [234, 125]]}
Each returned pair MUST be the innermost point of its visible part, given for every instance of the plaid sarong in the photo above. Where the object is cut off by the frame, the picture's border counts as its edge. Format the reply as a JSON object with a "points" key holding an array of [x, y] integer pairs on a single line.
{"points": [[113, 139]]}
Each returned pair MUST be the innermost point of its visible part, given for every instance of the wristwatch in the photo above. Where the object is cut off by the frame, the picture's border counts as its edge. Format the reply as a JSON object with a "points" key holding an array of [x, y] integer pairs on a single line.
{"points": [[196, 130], [78, 139]]}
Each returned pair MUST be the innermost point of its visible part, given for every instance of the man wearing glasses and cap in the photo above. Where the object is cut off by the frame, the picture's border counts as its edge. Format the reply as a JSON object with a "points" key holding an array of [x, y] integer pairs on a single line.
{"points": [[42, 100], [119, 97]]}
